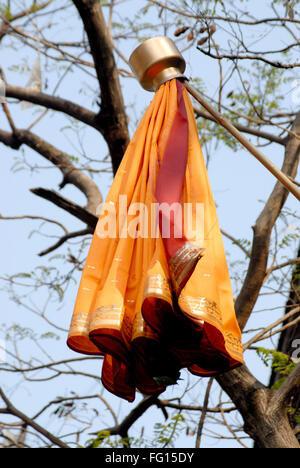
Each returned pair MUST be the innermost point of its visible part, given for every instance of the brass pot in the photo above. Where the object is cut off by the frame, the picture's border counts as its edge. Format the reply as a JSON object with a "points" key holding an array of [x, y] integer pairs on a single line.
{"points": [[156, 61]]}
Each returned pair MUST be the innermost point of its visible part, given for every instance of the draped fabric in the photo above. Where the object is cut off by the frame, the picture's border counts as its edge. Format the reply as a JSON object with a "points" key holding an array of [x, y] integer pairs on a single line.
{"points": [[155, 294]]}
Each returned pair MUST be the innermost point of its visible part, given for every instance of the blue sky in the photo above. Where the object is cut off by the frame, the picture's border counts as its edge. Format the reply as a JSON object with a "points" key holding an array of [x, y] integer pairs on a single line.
{"points": [[239, 185]]}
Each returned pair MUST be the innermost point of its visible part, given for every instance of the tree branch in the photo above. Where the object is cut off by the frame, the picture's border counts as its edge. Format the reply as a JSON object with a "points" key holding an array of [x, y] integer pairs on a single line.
{"points": [[112, 118], [286, 66], [236, 242], [12, 410], [39, 218], [64, 239], [67, 205], [61, 160], [182, 407], [27, 12], [58, 401], [9, 139], [228, 19], [122, 428], [53, 102], [204, 412], [295, 261], [66, 55], [263, 334], [243, 128], [262, 232], [265, 418], [290, 384]]}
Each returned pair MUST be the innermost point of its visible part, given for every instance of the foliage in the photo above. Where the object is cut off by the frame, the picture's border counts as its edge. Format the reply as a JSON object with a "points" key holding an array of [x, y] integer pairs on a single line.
{"points": [[281, 363], [165, 435]]}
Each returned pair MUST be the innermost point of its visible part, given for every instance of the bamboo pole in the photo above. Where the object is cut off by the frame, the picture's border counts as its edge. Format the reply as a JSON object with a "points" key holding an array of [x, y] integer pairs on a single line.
{"points": [[283, 178]]}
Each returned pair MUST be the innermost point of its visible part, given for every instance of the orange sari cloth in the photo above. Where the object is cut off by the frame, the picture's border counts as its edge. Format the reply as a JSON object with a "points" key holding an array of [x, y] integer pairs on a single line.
{"points": [[151, 303]]}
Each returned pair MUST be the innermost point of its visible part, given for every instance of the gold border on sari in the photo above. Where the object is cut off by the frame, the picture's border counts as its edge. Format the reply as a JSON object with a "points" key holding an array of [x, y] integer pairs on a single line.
{"points": [[107, 317], [79, 324], [234, 345], [201, 308], [159, 287], [182, 263], [141, 329]]}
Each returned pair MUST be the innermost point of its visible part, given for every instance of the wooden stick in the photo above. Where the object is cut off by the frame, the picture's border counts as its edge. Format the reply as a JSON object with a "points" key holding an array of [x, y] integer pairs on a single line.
{"points": [[284, 179]]}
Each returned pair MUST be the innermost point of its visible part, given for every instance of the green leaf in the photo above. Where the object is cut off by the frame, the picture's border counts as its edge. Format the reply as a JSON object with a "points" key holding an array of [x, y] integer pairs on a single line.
{"points": [[281, 363], [50, 335]]}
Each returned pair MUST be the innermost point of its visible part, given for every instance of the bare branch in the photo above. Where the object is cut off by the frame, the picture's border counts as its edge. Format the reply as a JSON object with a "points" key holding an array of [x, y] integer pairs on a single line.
{"points": [[64, 239], [236, 242], [12, 410], [53, 102], [49, 365], [78, 398], [263, 333], [66, 55], [295, 261], [203, 414], [232, 431], [123, 428], [39, 218], [9, 140], [183, 407], [236, 57], [7, 113], [228, 19], [61, 160], [30, 11], [243, 128], [67, 205], [112, 117], [289, 385], [265, 420], [262, 232], [24, 13]]}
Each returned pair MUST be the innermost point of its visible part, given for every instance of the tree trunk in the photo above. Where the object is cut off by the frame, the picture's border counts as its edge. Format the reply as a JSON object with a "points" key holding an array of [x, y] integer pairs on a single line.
{"points": [[263, 410], [290, 340]]}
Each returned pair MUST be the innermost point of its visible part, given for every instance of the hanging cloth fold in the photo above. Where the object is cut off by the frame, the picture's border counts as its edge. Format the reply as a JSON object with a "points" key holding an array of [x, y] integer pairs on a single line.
{"points": [[155, 294]]}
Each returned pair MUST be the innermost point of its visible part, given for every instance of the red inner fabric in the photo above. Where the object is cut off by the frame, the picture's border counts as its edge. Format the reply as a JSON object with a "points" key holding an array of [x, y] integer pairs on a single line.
{"points": [[171, 174]]}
